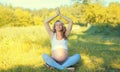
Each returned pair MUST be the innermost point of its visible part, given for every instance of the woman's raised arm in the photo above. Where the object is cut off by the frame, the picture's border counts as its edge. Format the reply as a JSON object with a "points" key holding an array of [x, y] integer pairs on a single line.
{"points": [[70, 23], [47, 26]]}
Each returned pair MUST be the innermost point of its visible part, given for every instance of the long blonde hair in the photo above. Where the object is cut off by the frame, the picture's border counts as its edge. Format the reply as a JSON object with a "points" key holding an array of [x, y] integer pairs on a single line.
{"points": [[63, 28]]}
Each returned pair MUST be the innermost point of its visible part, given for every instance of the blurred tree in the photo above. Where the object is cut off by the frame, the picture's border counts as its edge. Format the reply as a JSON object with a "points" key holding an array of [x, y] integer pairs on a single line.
{"points": [[23, 18], [81, 12]]}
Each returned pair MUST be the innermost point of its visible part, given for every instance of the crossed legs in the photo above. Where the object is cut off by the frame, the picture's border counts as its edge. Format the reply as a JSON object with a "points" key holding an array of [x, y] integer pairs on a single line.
{"points": [[69, 62]]}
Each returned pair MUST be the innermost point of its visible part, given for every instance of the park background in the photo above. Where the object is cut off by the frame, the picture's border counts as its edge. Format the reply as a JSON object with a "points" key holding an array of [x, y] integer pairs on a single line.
{"points": [[95, 34]]}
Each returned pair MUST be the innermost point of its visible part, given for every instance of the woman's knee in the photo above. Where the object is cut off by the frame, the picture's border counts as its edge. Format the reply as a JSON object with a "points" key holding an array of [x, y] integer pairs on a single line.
{"points": [[77, 56], [44, 56]]}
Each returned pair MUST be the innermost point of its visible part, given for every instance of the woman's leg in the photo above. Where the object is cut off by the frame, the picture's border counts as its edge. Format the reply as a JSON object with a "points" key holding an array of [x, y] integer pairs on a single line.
{"points": [[50, 61], [71, 60]]}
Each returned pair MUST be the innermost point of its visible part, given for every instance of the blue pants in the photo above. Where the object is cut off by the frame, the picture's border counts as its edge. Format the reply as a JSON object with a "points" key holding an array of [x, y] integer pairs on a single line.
{"points": [[69, 62]]}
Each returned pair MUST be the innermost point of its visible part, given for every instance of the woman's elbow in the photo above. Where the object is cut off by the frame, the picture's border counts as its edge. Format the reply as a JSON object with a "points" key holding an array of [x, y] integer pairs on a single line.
{"points": [[71, 22], [46, 22]]}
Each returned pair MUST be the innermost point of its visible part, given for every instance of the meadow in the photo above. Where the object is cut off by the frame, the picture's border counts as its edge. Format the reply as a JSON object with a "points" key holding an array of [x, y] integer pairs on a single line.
{"points": [[21, 50]]}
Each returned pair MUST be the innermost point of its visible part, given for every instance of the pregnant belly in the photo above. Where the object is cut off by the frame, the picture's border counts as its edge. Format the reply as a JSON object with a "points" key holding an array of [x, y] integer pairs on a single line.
{"points": [[60, 54]]}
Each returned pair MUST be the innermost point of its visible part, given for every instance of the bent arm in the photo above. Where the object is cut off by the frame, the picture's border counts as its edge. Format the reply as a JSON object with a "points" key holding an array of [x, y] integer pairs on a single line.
{"points": [[47, 26], [70, 23], [46, 22]]}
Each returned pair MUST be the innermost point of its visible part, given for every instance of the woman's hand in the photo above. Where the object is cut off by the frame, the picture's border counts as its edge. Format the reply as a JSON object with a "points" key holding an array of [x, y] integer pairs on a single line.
{"points": [[57, 11]]}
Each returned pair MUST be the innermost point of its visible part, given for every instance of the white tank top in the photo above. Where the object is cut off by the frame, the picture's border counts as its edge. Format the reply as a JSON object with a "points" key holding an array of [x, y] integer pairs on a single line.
{"points": [[59, 43]]}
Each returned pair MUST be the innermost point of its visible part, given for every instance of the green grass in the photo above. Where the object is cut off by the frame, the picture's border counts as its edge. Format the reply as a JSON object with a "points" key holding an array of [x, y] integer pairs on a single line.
{"points": [[21, 49]]}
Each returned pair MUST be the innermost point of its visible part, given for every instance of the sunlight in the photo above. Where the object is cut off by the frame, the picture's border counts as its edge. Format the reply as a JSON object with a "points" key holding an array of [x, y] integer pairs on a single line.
{"points": [[36, 4], [107, 42], [87, 61], [73, 37], [91, 62], [115, 65], [20, 49]]}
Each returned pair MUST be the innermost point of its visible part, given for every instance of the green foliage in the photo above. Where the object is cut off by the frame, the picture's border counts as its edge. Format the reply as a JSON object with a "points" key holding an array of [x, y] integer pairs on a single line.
{"points": [[105, 29], [94, 13]]}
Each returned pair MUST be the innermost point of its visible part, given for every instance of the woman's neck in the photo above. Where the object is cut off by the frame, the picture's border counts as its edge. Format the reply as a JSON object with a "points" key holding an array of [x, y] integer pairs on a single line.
{"points": [[59, 35]]}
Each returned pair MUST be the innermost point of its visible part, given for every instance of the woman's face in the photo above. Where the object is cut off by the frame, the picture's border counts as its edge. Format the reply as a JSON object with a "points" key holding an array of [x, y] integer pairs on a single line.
{"points": [[58, 26]]}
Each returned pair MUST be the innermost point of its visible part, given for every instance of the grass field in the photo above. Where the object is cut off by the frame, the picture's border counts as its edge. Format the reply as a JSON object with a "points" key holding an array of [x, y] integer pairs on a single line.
{"points": [[21, 49]]}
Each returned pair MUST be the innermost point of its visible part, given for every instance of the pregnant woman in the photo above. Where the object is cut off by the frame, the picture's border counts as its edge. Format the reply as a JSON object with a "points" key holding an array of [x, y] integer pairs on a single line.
{"points": [[59, 42]]}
